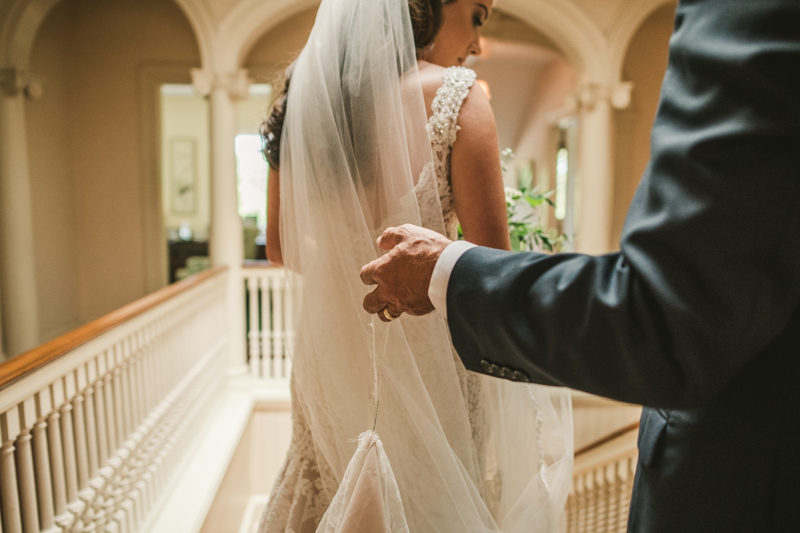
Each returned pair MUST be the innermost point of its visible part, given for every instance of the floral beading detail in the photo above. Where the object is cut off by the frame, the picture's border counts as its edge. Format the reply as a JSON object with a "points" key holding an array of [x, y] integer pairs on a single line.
{"points": [[442, 130]]}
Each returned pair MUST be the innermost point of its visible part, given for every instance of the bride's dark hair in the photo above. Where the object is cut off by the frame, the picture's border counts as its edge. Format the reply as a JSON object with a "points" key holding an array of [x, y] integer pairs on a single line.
{"points": [[426, 19]]}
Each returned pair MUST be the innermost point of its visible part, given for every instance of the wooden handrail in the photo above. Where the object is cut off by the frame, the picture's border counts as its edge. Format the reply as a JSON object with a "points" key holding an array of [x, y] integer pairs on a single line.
{"points": [[607, 438], [259, 263], [24, 364]]}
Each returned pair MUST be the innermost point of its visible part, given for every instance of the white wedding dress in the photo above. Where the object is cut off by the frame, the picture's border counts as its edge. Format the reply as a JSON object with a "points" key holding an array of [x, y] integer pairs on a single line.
{"points": [[305, 486], [390, 432]]}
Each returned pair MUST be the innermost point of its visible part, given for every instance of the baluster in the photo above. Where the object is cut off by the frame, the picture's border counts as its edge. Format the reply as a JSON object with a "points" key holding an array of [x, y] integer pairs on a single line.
{"points": [[9, 495], [277, 323], [599, 490], [572, 512], [253, 335], [74, 503], [85, 491], [121, 423], [96, 438], [90, 416], [63, 518], [133, 382], [107, 360], [580, 491], [268, 362], [141, 375], [127, 393], [41, 458], [147, 382], [26, 477], [117, 434], [627, 471], [151, 375], [100, 410]]}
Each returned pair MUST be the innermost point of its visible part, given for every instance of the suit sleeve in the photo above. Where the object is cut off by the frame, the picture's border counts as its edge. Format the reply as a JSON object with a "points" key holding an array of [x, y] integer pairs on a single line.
{"points": [[708, 275]]}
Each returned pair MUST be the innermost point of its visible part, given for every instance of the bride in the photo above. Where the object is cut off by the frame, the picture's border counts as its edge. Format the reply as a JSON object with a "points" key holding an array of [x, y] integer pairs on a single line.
{"points": [[378, 126]]}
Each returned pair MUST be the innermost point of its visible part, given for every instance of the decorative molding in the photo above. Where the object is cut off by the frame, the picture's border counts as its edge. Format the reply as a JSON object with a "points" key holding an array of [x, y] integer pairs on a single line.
{"points": [[581, 40], [588, 94], [247, 22], [235, 83], [20, 29], [630, 17], [14, 81]]}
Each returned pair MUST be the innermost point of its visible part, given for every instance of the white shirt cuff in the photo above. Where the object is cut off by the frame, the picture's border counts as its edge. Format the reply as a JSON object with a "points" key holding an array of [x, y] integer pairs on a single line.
{"points": [[437, 290]]}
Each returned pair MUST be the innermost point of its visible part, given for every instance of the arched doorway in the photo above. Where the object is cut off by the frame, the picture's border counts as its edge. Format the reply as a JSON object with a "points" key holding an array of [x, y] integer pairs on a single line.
{"points": [[644, 65], [94, 153]]}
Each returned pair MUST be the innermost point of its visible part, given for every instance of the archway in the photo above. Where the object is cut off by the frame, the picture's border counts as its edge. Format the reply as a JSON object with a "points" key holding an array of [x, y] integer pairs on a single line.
{"points": [[644, 64], [93, 148]]}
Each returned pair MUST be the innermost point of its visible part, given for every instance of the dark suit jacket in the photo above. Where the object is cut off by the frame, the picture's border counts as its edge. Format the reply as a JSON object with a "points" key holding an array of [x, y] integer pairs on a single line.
{"points": [[698, 316]]}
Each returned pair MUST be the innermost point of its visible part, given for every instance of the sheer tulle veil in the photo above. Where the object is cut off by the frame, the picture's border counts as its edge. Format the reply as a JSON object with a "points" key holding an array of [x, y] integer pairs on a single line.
{"points": [[353, 147]]}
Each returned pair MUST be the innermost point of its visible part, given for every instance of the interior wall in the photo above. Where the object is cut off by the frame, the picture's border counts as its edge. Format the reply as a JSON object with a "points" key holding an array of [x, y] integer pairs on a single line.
{"points": [[52, 186], [276, 49], [186, 118], [645, 64], [85, 149], [526, 82]]}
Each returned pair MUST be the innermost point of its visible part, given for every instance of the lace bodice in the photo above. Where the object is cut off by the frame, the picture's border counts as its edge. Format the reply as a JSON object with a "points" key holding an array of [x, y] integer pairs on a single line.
{"points": [[442, 131]]}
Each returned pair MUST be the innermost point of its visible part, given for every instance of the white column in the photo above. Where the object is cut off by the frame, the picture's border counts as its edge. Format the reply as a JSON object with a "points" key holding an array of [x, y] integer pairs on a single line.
{"points": [[596, 164], [227, 241], [17, 268]]}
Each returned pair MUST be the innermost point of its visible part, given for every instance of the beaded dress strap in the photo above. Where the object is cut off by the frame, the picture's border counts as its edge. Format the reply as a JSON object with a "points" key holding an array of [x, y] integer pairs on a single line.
{"points": [[443, 126]]}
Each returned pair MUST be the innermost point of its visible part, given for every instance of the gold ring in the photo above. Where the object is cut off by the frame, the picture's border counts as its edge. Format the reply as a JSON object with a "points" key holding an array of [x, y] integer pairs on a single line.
{"points": [[388, 315]]}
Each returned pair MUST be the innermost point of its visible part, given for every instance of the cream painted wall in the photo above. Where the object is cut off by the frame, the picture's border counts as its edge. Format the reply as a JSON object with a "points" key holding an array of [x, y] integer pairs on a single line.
{"points": [[526, 81], [252, 111], [86, 150], [645, 64], [52, 184], [275, 50], [503, 26], [536, 141], [186, 117]]}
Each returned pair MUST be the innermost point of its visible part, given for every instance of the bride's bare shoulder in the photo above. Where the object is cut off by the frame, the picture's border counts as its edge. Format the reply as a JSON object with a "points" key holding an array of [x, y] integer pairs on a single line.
{"points": [[431, 77]]}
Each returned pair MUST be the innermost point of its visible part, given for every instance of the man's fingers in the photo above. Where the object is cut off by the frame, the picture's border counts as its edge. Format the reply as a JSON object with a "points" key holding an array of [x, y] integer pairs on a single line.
{"points": [[391, 237], [374, 302], [370, 270]]}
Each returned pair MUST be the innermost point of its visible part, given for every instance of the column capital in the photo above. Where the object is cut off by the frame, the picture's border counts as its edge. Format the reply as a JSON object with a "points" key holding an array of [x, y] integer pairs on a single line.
{"points": [[588, 93], [14, 81], [235, 83]]}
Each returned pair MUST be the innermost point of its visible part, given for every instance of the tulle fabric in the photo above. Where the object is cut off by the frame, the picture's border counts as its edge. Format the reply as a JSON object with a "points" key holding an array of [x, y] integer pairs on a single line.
{"points": [[354, 146]]}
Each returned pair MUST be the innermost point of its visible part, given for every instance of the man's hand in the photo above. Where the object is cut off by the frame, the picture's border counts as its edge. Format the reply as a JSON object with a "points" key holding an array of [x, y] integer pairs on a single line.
{"points": [[404, 274]]}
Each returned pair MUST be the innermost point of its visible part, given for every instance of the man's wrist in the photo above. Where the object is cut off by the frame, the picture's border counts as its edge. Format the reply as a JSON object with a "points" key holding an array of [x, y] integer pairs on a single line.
{"points": [[437, 290]]}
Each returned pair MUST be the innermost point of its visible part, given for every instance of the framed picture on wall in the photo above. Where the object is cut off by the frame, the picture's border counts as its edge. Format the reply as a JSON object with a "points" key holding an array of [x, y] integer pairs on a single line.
{"points": [[183, 175]]}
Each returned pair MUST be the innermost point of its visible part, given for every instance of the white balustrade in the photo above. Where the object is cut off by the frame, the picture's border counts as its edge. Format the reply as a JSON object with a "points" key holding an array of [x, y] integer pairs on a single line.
{"points": [[270, 323], [92, 440], [602, 484]]}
